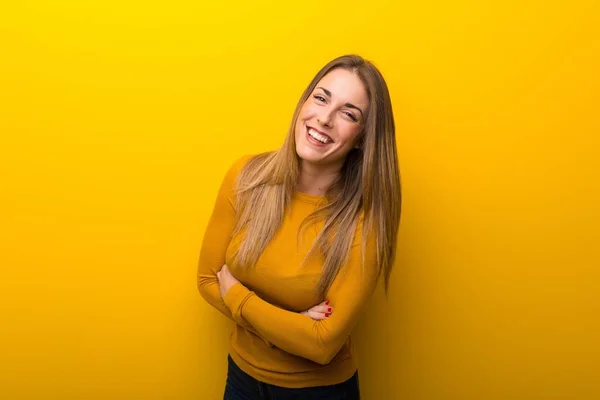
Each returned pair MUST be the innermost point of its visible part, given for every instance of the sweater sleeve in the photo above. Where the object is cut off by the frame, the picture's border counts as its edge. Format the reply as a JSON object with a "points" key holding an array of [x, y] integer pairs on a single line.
{"points": [[216, 239], [300, 335]]}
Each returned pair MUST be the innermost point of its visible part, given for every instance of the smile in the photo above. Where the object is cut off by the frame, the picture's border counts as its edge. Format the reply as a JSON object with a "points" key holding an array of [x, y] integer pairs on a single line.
{"points": [[318, 138]]}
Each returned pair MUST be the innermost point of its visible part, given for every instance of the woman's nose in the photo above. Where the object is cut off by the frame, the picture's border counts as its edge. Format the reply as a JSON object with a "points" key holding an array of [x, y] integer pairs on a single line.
{"points": [[325, 118]]}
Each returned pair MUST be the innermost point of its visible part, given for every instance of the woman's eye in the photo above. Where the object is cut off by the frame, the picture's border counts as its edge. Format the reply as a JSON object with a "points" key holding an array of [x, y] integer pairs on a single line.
{"points": [[351, 116], [320, 98]]}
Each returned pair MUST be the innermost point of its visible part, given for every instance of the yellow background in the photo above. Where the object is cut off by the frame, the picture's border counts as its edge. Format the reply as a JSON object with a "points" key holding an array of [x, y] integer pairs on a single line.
{"points": [[118, 120]]}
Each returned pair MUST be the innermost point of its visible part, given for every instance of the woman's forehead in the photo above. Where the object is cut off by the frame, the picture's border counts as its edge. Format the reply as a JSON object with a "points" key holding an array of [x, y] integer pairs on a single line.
{"points": [[344, 86]]}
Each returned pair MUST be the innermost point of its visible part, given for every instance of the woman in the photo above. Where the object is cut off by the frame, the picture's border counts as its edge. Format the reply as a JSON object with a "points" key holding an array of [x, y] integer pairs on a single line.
{"points": [[299, 236]]}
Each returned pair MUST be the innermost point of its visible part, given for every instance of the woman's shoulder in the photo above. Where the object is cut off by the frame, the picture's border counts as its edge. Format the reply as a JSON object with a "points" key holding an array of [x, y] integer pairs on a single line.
{"points": [[240, 162], [255, 162], [236, 167]]}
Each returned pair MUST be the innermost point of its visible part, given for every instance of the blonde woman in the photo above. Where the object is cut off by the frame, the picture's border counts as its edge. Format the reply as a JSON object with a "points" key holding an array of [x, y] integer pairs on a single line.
{"points": [[299, 237]]}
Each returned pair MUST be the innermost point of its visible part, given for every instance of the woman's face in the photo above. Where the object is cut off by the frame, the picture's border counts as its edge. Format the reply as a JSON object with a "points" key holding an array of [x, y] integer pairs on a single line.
{"points": [[331, 119]]}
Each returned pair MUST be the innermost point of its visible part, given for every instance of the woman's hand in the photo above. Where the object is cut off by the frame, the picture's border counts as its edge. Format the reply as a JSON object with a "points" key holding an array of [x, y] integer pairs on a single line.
{"points": [[226, 280], [319, 312]]}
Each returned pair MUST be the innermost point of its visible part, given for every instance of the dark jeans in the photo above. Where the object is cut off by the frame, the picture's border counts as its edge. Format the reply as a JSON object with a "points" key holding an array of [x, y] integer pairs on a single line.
{"points": [[241, 386]]}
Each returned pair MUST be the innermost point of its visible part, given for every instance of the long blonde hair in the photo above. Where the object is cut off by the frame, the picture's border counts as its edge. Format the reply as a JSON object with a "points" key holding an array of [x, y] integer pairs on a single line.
{"points": [[367, 189]]}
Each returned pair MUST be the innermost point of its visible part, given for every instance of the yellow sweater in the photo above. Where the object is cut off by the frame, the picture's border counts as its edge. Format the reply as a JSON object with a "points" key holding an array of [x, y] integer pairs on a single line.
{"points": [[272, 341]]}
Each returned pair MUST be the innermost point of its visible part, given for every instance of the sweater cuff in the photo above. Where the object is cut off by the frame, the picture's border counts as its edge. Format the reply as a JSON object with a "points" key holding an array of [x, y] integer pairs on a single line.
{"points": [[235, 298]]}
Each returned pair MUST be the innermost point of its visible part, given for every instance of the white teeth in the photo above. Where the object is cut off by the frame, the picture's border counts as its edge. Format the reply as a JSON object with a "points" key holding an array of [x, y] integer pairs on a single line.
{"points": [[318, 136]]}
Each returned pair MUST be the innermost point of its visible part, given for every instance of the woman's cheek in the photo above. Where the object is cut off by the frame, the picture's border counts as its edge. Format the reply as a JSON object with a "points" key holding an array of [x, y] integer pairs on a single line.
{"points": [[307, 111], [351, 134]]}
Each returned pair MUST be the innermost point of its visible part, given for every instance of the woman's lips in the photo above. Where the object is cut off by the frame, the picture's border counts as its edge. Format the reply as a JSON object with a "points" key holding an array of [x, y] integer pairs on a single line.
{"points": [[314, 141], [319, 132]]}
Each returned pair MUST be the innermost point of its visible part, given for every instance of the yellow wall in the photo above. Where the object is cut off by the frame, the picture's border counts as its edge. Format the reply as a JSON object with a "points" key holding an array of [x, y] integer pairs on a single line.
{"points": [[118, 120]]}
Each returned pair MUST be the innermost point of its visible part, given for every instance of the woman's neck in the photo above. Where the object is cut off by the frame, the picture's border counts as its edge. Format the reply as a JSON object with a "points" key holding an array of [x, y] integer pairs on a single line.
{"points": [[315, 179]]}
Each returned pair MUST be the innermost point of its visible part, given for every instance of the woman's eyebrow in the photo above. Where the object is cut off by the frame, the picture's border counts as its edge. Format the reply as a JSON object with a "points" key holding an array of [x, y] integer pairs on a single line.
{"points": [[349, 105], [327, 92]]}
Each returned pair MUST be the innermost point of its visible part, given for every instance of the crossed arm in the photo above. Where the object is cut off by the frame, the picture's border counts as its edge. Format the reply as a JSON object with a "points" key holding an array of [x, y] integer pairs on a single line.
{"points": [[316, 340]]}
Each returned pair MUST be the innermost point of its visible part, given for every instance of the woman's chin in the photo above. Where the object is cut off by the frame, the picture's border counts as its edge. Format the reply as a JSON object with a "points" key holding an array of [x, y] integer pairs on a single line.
{"points": [[309, 156]]}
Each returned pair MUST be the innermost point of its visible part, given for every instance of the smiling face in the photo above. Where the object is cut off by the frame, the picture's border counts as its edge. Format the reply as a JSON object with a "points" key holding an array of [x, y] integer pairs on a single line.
{"points": [[331, 119]]}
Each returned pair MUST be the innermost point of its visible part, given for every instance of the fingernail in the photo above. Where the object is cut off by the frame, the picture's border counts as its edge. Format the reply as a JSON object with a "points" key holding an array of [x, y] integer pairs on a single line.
{"points": [[327, 314], [326, 303], [329, 309]]}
